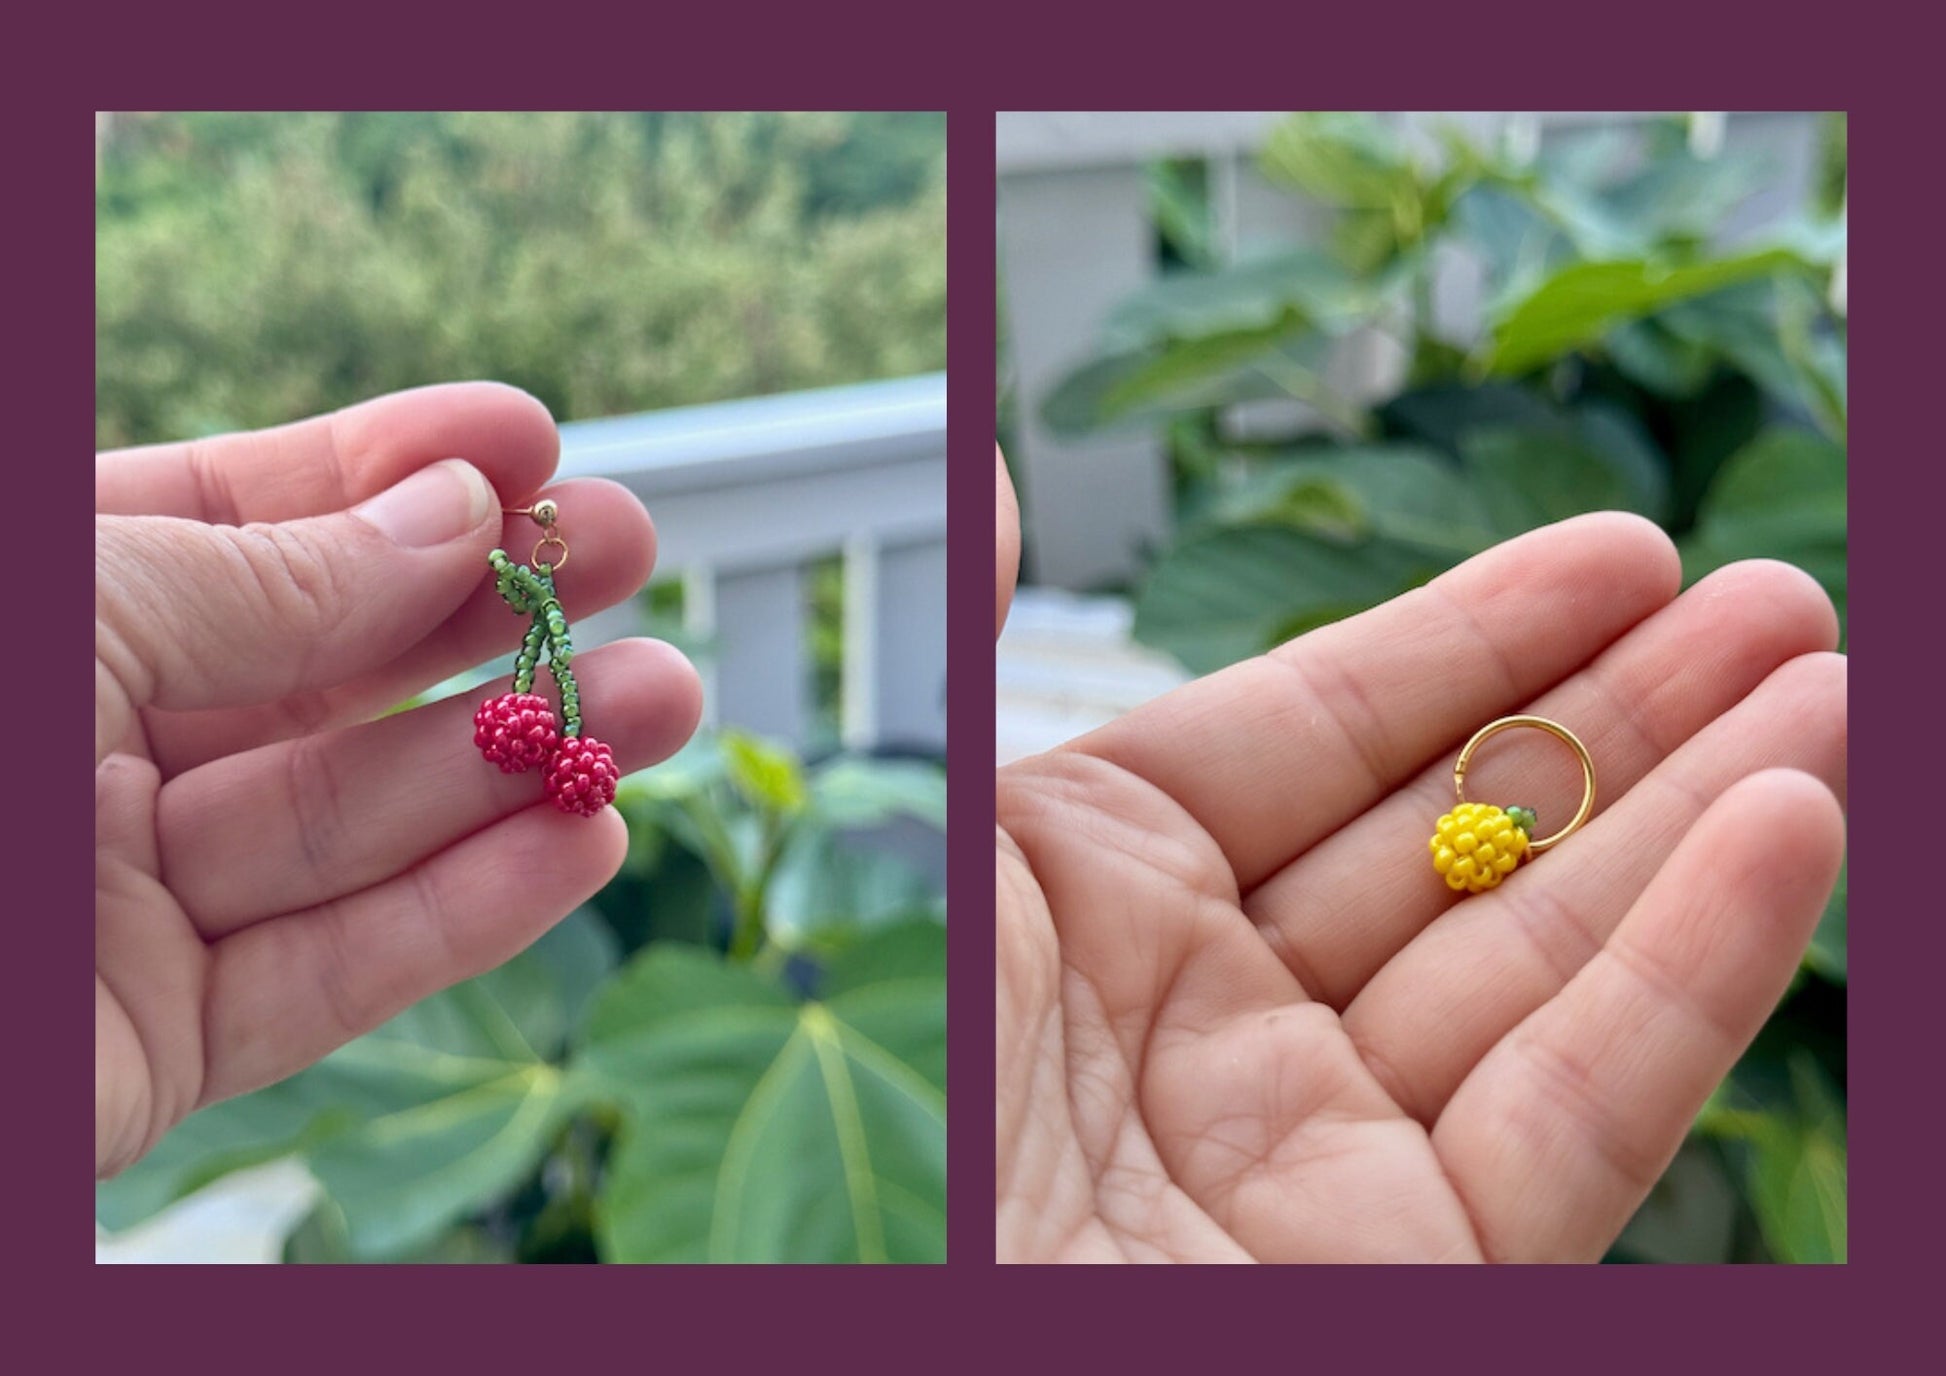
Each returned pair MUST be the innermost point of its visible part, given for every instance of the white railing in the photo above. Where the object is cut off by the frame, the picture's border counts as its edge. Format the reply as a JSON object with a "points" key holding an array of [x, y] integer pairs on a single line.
{"points": [[746, 495], [1077, 235]]}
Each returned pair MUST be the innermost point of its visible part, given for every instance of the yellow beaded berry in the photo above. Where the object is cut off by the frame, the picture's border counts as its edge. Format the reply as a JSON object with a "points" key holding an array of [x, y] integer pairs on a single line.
{"points": [[1477, 845]]}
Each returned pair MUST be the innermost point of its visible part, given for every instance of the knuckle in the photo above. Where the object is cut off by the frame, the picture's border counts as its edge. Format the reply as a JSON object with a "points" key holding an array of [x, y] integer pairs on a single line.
{"points": [[296, 578]]}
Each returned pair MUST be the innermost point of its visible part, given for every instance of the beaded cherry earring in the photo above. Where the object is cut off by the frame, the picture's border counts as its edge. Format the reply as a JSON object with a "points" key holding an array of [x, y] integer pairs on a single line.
{"points": [[517, 731]]}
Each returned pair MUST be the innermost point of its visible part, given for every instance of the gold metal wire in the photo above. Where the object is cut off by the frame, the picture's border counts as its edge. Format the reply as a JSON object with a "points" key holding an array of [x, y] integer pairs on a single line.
{"points": [[1553, 728]]}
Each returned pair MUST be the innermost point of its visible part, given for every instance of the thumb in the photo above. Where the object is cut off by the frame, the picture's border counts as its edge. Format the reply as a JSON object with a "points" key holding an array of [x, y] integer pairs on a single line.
{"points": [[189, 615]]}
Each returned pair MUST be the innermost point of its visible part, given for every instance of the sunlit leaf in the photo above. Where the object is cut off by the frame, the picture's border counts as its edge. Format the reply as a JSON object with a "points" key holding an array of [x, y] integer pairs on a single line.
{"points": [[1574, 307], [765, 775]]}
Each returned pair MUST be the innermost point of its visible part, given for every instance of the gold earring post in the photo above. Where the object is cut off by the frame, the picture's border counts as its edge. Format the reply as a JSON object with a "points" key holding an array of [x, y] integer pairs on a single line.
{"points": [[544, 513]]}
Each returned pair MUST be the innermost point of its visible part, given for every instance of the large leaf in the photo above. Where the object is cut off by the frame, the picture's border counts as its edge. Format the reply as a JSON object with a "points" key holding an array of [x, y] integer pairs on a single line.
{"points": [[1575, 306], [459, 1134], [758, 1128], [1233, 591], [823, 882], [413, 1125], [207, 1145]]}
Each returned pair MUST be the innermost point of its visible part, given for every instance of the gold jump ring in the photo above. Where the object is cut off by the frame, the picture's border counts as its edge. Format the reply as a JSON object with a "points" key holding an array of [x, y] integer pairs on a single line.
{"points": [[1553, 728], [558, 543]]}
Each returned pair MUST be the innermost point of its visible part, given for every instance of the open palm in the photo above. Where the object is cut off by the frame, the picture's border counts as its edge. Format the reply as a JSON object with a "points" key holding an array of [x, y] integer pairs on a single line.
{"points": [[276, 870], [1239, 1016]]}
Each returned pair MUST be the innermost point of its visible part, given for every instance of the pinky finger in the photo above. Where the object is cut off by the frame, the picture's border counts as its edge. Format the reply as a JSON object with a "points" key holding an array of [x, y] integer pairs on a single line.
{"points": [[1560, 1132], [284, 992]]}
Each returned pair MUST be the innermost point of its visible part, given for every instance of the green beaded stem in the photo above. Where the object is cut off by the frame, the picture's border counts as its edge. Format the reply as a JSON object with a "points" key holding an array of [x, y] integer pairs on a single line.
{"points": [[532, 591], [560, 655], [529, 658]]}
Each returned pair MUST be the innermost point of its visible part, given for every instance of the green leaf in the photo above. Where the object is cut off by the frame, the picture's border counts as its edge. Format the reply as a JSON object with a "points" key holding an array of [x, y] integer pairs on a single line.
{"points": [[760, 1129], [1575, 306], [1402, 492], [1528, 479], [1782, 496], [522, 1010], [1778, 333], [213, 1142], [1690, 1215], [1149, 382], [766, 776], [853, 792], [463, 1132], [1452, 416], [1650, 354], [1798, 1173], [1227, 593], [1357, 165], [411, 1126], [1244, 298], [821, 882], [322, 1240], [1351, 160]]}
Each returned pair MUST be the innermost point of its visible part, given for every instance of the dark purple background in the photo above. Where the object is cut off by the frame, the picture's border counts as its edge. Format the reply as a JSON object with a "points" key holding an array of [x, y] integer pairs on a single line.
{"points": [[971, 1315]]}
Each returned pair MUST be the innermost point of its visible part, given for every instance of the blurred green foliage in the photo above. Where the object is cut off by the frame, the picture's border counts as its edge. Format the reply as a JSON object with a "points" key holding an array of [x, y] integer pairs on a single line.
{"points": [[736, 1052], [1629, 359], [251, 268]]}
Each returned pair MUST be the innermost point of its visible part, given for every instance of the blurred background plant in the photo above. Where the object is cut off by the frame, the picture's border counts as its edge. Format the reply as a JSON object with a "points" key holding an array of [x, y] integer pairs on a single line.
{"points": [[253, 268], [736, 1051], [1625, 354]]}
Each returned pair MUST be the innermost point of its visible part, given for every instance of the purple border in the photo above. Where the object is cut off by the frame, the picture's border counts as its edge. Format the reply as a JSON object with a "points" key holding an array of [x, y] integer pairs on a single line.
{"points": [[614, 1315], [970, 394]]}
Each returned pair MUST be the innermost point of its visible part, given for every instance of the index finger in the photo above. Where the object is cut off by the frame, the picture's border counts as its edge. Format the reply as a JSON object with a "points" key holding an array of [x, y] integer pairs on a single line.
{"points": [[330, 462]]}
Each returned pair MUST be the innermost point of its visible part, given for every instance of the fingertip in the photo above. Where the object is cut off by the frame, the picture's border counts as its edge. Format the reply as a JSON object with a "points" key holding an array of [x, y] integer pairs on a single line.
{"points": [[643, 697], [1787, 830], [1634, 542], [623, 524], [1782, 591], [683, 686]]}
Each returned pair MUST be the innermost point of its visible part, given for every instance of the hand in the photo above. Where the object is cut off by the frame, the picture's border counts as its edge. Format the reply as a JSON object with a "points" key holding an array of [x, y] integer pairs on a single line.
{"points": [[1240, 1016], [276, 871]]}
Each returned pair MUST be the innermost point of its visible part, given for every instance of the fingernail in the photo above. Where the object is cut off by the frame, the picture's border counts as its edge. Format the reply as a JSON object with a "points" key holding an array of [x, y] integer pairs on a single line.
{"points": [[434, 505]]}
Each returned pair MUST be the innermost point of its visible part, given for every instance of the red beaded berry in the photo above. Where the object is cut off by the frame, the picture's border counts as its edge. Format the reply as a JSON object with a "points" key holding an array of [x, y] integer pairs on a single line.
{"points": [[582, 776], [516, 731]]}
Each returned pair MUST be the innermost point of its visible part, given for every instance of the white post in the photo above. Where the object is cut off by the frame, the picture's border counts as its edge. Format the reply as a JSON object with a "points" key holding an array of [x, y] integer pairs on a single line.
{"points": [[1072, 245], [895, 645], [755, 671]]}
